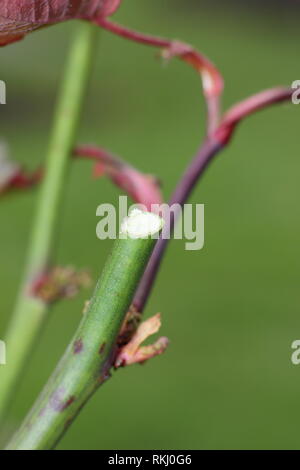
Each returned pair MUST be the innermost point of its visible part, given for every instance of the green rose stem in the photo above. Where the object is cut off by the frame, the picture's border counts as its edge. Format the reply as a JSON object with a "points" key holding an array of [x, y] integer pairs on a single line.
{"points": [[30, 312], [88, 358]]}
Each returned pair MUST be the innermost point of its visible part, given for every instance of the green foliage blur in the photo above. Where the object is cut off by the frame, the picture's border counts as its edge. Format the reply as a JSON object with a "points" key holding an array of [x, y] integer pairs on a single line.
{"points": [[230, 310]]}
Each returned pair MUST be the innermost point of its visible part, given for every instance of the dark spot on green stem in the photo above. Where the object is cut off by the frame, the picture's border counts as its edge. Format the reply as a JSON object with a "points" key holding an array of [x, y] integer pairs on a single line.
{"points": [[102, 348], [78, 346], [64, 406], [58, 403]]}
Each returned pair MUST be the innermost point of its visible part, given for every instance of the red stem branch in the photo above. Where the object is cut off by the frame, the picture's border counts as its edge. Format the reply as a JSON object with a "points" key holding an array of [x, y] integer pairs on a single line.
{"points": [[211, 147], [211, 77]]}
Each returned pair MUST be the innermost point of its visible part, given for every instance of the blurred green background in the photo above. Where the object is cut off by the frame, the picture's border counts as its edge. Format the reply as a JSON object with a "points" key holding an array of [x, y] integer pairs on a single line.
{"points": [[230, 310]]}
